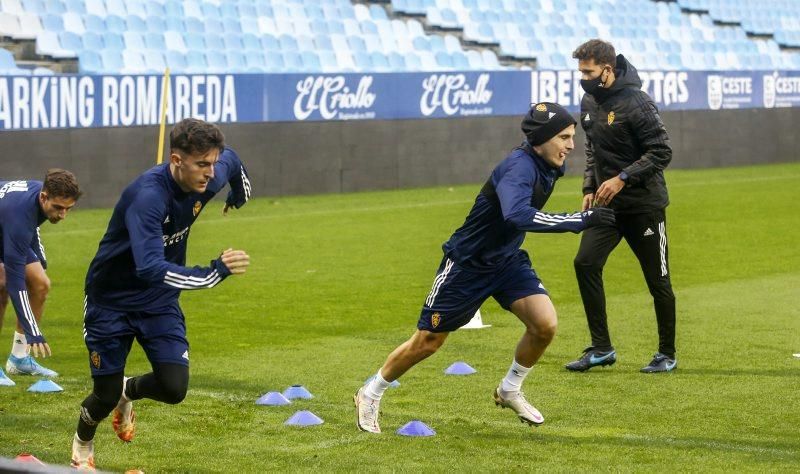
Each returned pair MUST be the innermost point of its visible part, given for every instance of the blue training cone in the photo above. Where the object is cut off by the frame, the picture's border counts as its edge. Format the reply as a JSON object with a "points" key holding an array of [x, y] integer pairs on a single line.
{"points": [[416, 428], [297, 391], [304, 418], [273, 399], [459, 368], [45, 385], [393, 384]]}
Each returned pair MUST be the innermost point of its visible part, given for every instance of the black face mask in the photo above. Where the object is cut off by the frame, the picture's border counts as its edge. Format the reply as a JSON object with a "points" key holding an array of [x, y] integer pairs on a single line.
{"points": [[593, 86]]}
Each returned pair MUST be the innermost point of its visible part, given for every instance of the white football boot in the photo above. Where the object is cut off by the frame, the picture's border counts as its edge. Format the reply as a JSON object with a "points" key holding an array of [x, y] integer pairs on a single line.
{"points": [[367, 411], [124, 419], [526, 412], [82, 454]]}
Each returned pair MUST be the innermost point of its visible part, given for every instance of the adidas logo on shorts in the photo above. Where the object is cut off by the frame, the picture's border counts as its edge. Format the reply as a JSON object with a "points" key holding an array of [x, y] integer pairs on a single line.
{"points": [[649, 231]]}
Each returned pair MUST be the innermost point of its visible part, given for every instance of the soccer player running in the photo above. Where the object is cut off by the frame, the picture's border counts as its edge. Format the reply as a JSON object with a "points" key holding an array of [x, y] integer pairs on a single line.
{"points": [[134, 281], [483, 258], [627, 149], [24, 206]]}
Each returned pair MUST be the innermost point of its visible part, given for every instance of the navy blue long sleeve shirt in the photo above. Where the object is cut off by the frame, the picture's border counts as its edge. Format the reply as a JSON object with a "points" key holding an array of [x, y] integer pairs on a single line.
{"points": [[508, 207], [20, 218], [139, 265]]}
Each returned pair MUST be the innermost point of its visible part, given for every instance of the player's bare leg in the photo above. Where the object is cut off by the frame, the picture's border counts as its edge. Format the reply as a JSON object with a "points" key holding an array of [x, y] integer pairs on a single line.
{"points": [[419, 347], [539, 316], [20, 361]]}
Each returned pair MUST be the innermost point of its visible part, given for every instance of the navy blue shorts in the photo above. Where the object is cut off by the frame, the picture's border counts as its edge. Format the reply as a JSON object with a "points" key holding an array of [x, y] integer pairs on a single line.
{"points": [[109, 335], [457, 293]]}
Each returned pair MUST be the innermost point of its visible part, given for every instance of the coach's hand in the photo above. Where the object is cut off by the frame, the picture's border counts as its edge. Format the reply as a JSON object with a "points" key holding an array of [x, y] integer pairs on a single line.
{"points": [[609, 189], [236, 260], [588, 200], [598, 216], [40, 349]]}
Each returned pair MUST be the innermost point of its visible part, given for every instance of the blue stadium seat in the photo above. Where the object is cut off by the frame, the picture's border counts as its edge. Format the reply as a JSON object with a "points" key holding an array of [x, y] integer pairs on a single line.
{"points": [[116, 24], [444, 60], [379, 62], [113, 41], [233, 42], [323, 43], [93, 42], [251, 42], [336, 27], [176, 61], [89, 62], [237, 62], [213, 25], [396, 61], [305, 43], [193, 25], [75, 6], [287, 43], [270, 43], [255, 61], [94, 23], [155, 41], [413, 62], [112, 61], [328, 62], [135, 24], [52, 23], [292, 61], [174, 41], [196, 62], [231, 25], [70, 41], [155, 24], [217, 62], [311, 61], [214, 42], [194, 41], [460, 61], [175, 9], [274, 62], [73, 22], [154, 61], [362, 61], [34, 6], [153, 8], [54, 7], [246, 11], [357, 44], [133, 41]]}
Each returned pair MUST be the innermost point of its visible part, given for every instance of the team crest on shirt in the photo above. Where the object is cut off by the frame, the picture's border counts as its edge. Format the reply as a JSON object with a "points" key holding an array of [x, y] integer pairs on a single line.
{"points": [[436, 319], [541, 108], [196, 208], [95, 358], [611, 116]]}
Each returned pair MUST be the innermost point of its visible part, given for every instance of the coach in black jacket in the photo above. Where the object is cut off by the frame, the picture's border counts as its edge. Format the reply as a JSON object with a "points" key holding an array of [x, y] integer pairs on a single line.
{"points": [[627, 149]]}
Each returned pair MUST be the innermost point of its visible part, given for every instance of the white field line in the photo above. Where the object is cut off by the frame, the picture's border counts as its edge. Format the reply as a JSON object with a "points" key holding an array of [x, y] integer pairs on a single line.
{"points": [[395, 207]]}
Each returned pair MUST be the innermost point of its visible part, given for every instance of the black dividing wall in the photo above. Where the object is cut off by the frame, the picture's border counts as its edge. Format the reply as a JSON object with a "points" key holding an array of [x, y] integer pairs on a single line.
{"points": [[332, 157]]}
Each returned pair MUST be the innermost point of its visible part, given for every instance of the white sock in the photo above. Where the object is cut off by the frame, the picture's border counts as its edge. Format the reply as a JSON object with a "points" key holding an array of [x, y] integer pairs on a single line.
{"points": [[514, 378], [19, 346], [376, 387]]}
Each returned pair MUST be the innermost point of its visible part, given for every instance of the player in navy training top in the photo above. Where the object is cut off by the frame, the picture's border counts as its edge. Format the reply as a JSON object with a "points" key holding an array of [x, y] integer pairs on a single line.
{"points": [[134, 281], [24, 206], [483, 258]]}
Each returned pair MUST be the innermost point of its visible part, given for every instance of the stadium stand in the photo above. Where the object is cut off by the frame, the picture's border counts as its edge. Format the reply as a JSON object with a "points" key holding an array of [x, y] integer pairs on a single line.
{"points": [[280, 36]]}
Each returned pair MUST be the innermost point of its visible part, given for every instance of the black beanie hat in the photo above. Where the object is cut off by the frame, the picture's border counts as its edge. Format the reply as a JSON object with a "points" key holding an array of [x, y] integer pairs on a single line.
{"points": [[544, 121]]}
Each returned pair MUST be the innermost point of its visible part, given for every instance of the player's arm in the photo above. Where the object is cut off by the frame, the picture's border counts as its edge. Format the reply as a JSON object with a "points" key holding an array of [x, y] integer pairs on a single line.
{"points": [[588, 176], [143, 220], [229, 169], [514, 190], [16, 243], [649, 131]]}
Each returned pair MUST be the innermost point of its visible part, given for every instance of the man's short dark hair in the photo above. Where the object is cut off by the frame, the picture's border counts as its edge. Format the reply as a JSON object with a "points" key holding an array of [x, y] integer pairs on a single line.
{"points": [[602, 52], [62, 184], [193, 136]]}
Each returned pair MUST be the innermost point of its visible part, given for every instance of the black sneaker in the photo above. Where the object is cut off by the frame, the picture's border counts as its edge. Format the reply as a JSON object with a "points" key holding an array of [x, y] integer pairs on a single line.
{"points": [[592, 358], [660, 363]]}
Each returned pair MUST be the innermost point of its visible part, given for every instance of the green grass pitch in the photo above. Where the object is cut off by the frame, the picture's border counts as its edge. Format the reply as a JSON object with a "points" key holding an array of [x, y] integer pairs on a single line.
{"points": [[336, 282]]}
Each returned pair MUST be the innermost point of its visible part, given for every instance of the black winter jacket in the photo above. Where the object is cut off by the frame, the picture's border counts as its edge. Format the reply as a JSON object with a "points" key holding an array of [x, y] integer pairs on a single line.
{"points": [[625, 133]]}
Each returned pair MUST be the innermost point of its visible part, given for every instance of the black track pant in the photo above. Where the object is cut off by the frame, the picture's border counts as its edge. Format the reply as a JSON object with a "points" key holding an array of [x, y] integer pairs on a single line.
{"points": [[647, 237], [167, 383]]}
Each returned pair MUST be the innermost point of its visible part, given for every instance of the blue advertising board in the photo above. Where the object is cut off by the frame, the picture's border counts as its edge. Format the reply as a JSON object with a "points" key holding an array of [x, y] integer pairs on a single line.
{"points": [[73, 101]]}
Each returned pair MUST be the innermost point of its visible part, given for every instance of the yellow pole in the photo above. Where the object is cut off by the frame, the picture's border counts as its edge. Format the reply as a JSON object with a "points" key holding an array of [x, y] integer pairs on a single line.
{"points": [[164, 98]]}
